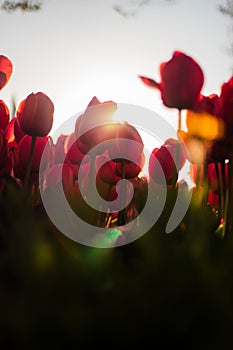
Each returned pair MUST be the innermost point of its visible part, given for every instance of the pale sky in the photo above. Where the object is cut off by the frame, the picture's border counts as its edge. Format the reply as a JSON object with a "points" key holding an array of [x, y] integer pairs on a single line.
{"points": [[73, 50]]}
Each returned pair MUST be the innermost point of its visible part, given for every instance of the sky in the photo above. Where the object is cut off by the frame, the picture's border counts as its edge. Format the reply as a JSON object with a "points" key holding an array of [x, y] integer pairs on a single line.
{"points": [[74, 50]]}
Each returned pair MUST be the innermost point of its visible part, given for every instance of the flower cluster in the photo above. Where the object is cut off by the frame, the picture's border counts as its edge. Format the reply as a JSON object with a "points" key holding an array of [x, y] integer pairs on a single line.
{"points": [[93, 156], [208, 140]]}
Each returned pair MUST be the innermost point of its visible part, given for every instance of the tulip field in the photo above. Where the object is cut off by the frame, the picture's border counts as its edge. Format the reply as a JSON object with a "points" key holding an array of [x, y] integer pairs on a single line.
{"points": [[96, 249]]}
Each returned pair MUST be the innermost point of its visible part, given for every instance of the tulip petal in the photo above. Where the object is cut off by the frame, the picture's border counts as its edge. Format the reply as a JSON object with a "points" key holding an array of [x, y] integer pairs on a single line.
{"points": [[5, 70], [150, 82]]}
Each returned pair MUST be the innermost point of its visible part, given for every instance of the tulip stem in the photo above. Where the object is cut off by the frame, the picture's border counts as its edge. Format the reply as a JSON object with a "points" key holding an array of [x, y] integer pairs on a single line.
{"points": [[179, 119], [229, 195], [205, 179], [29, 166], [91, 179], [121, 220], [220, 189], [198, 184]]}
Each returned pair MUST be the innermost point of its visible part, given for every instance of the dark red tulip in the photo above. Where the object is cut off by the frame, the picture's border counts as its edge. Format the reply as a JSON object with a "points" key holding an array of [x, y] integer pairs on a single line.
{"points": [[166, 156], [226, 97], [10, 136], [4, 152], [209, 104], [73, 153], [59, 149], [4, 115], [221, 149], [131, 169], [107, 171], [6, 68], [60, 173], [35, 116], [23, 152], [125, 149], [181, 81], [18, 132], [106, 191], [177, 151]]}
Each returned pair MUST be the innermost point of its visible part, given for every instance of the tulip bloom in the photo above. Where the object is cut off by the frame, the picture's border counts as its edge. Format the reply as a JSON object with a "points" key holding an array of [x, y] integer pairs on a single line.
{"points": [[4, 115], [181, 81], [73, 153], [209, 105], [128, 149], [107, 171], [23, 152], [226, 97], [166, 156], [5, 70], [4, 152], [35, 114], [94, 126], [131, 169]]}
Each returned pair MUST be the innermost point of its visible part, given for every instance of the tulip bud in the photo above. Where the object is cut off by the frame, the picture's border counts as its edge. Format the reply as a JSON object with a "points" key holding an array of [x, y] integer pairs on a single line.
{"points": [[36, 115], [164, 157]]}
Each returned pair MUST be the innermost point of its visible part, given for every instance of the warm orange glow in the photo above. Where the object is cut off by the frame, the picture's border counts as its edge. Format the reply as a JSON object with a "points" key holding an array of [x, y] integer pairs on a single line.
{"points": [[204, 126], [195, 147]]}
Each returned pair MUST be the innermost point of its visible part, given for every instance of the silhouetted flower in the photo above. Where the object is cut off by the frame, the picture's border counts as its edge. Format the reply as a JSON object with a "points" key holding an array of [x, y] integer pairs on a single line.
{"points": [[181, 81], [35, 114], [4, 115]]}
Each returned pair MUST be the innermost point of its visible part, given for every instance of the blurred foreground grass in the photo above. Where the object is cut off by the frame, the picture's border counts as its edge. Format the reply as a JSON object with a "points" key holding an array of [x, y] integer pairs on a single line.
{"points": [[170, 289]]}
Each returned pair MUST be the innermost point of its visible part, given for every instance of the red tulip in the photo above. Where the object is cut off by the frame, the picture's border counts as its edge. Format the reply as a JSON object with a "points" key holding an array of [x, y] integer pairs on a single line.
{"points": [[94, 126], [35, 114], [221, 149], [5, 70], [226, 97], [4, 152], [125, 149], [59, 150], [166, 156], [52, 177], [107, 171], [18, 132], [4, 115], [209, 104], [213, 199], [10, 134], [181, 81], [177, 149], [73, 153], [23, 152], [131, 169]]}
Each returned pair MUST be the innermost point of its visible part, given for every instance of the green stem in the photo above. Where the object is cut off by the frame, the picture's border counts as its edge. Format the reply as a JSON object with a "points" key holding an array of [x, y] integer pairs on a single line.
{"points": [[223, 179], [229, 194], [121, 219], [179, 119], [91, 177], [102, 219], [198, 184], [29, 167], [220, 189], [205, 184], [177, 152]]}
